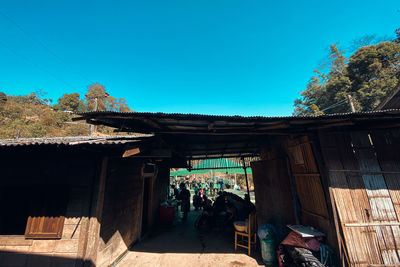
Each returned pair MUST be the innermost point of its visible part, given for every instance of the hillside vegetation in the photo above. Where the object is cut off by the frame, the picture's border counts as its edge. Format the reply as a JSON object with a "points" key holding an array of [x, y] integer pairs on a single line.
{"points": [[33, 115]]}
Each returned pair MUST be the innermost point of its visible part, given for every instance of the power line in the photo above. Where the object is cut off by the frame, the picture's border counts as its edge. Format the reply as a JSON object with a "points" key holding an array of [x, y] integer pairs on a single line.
{"points": [[45, 47], [335, 105], [35, 65]]}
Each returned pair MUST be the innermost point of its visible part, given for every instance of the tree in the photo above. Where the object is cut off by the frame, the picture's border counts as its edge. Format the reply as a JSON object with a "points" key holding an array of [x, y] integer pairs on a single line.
{"points": [[68, 102], [3, 100], [374, 70], [96, 92], [123, 105], [368, 75], [323, 90], [397, 40], [104, 100]]}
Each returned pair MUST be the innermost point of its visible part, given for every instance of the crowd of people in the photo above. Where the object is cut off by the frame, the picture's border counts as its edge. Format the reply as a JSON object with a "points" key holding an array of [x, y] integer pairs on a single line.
{"points": [[225, 205]]}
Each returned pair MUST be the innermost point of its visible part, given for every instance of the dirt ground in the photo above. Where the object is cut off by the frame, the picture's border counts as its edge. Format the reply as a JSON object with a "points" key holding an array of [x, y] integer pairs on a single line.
{"points": [[180, 244]]}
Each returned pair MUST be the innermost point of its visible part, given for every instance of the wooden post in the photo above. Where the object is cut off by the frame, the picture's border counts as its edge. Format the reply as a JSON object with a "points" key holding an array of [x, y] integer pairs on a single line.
{"points": [[245, 175], [95, 216], [351, 102], [92, 127]]}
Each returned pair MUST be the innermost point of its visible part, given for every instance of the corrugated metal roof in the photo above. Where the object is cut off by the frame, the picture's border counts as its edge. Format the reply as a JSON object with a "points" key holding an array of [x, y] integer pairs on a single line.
{"points": [[73, 140], [94, 114], [178, 123]]}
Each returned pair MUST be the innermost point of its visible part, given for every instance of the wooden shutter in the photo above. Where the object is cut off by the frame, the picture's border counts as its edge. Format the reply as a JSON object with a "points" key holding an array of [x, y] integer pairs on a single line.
{"points": [[46, 220], [43, 227]]}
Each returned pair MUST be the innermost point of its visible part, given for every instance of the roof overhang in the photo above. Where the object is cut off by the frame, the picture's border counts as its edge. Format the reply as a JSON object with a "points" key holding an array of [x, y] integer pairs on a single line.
{"points": [[197, 124], [196, 136]]}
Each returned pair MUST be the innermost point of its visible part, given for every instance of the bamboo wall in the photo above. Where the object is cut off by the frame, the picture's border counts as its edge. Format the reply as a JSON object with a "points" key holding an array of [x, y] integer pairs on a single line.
{"points": [[364, 176], [309, 187]]}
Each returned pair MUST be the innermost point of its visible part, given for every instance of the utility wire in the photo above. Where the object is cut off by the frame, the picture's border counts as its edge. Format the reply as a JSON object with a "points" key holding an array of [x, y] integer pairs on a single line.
{"points": [[45, 47], [34, 64], [335, 105]]}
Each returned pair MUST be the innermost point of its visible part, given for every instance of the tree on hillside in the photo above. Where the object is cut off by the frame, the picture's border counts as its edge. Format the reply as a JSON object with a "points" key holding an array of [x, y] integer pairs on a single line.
{"points": [[123, 105], [104, 100], [32, 115], [397, 40], [96, 95], [367, 75], [3, 100], [70, 102]]}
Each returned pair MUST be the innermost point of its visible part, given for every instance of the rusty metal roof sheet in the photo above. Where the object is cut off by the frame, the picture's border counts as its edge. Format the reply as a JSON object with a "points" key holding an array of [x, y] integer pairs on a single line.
{"points": [[176, 123], [234, 117], [73, 140]]}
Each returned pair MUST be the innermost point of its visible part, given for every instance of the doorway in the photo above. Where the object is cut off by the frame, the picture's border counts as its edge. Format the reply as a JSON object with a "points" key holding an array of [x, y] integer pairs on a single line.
{"points": [[147, 186]]}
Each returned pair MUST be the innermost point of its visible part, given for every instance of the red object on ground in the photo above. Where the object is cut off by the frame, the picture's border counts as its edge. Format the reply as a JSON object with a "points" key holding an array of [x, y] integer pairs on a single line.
{"points": [[167, 214], [280, 252], [296, 240]]}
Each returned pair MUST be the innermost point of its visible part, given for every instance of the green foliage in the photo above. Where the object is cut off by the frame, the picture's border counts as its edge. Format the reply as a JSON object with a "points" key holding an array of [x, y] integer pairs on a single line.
{"points": [[104, 100], [3, 100], [96, 92], [69, 102], [32, 115], [367, 75], [397, 40]]}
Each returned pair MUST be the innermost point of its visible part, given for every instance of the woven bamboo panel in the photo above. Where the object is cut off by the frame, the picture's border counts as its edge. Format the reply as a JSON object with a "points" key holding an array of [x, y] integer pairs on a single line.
{"points": [[362, 196], [308, 186]]}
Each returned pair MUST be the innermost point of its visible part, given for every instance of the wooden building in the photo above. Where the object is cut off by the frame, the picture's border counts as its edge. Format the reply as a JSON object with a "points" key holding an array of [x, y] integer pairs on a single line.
{"points": [[85, 202], [339, 173]]}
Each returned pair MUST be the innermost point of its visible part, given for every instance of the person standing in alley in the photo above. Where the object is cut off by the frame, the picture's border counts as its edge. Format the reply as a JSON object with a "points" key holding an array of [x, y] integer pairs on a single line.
{"points": [[184, 197]]}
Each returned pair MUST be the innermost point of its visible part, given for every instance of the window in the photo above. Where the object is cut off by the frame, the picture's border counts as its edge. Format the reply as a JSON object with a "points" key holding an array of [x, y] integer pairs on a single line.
{"points": [[36, 211]]}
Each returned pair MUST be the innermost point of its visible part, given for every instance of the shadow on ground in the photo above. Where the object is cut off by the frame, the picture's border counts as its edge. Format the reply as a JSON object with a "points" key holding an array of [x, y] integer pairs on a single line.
{"points": [[182, 237]]}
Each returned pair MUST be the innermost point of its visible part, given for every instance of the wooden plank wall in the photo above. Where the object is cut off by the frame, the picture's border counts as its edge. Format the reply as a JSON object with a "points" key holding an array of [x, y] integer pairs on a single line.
{"points": [[122, 210], [364, 195], [274, 199], [38, 167], [309, 188]]}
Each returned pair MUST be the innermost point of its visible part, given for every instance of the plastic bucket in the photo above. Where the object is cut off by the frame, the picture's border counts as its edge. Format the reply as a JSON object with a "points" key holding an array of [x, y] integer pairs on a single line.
{"points": [[268, 251]]}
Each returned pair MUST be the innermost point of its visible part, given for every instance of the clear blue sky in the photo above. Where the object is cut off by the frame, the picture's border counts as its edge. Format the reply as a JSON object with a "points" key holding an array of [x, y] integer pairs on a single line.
{"points": [[228, 57]]}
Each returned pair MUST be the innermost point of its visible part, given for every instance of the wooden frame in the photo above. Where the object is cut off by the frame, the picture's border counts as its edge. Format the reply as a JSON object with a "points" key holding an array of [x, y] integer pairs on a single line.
{"points": [[248, 241]]}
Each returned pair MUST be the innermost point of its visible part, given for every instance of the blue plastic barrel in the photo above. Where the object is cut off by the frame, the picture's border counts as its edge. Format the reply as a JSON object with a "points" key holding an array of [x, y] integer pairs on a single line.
{"points": [[268, 252]]}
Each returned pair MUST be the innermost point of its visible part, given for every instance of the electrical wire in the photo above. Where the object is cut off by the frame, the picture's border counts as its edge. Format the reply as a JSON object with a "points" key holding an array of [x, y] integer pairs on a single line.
{"points": [[45, 47], [34, 64], [337, 104]]}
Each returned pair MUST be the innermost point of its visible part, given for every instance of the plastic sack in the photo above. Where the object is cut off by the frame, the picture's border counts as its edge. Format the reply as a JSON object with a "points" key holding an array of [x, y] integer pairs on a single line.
{"points": [[266, 231]]}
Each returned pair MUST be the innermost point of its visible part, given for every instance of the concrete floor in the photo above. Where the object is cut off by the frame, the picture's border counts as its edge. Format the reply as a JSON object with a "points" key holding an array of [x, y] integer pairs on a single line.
{"points": [[180, 244]]}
